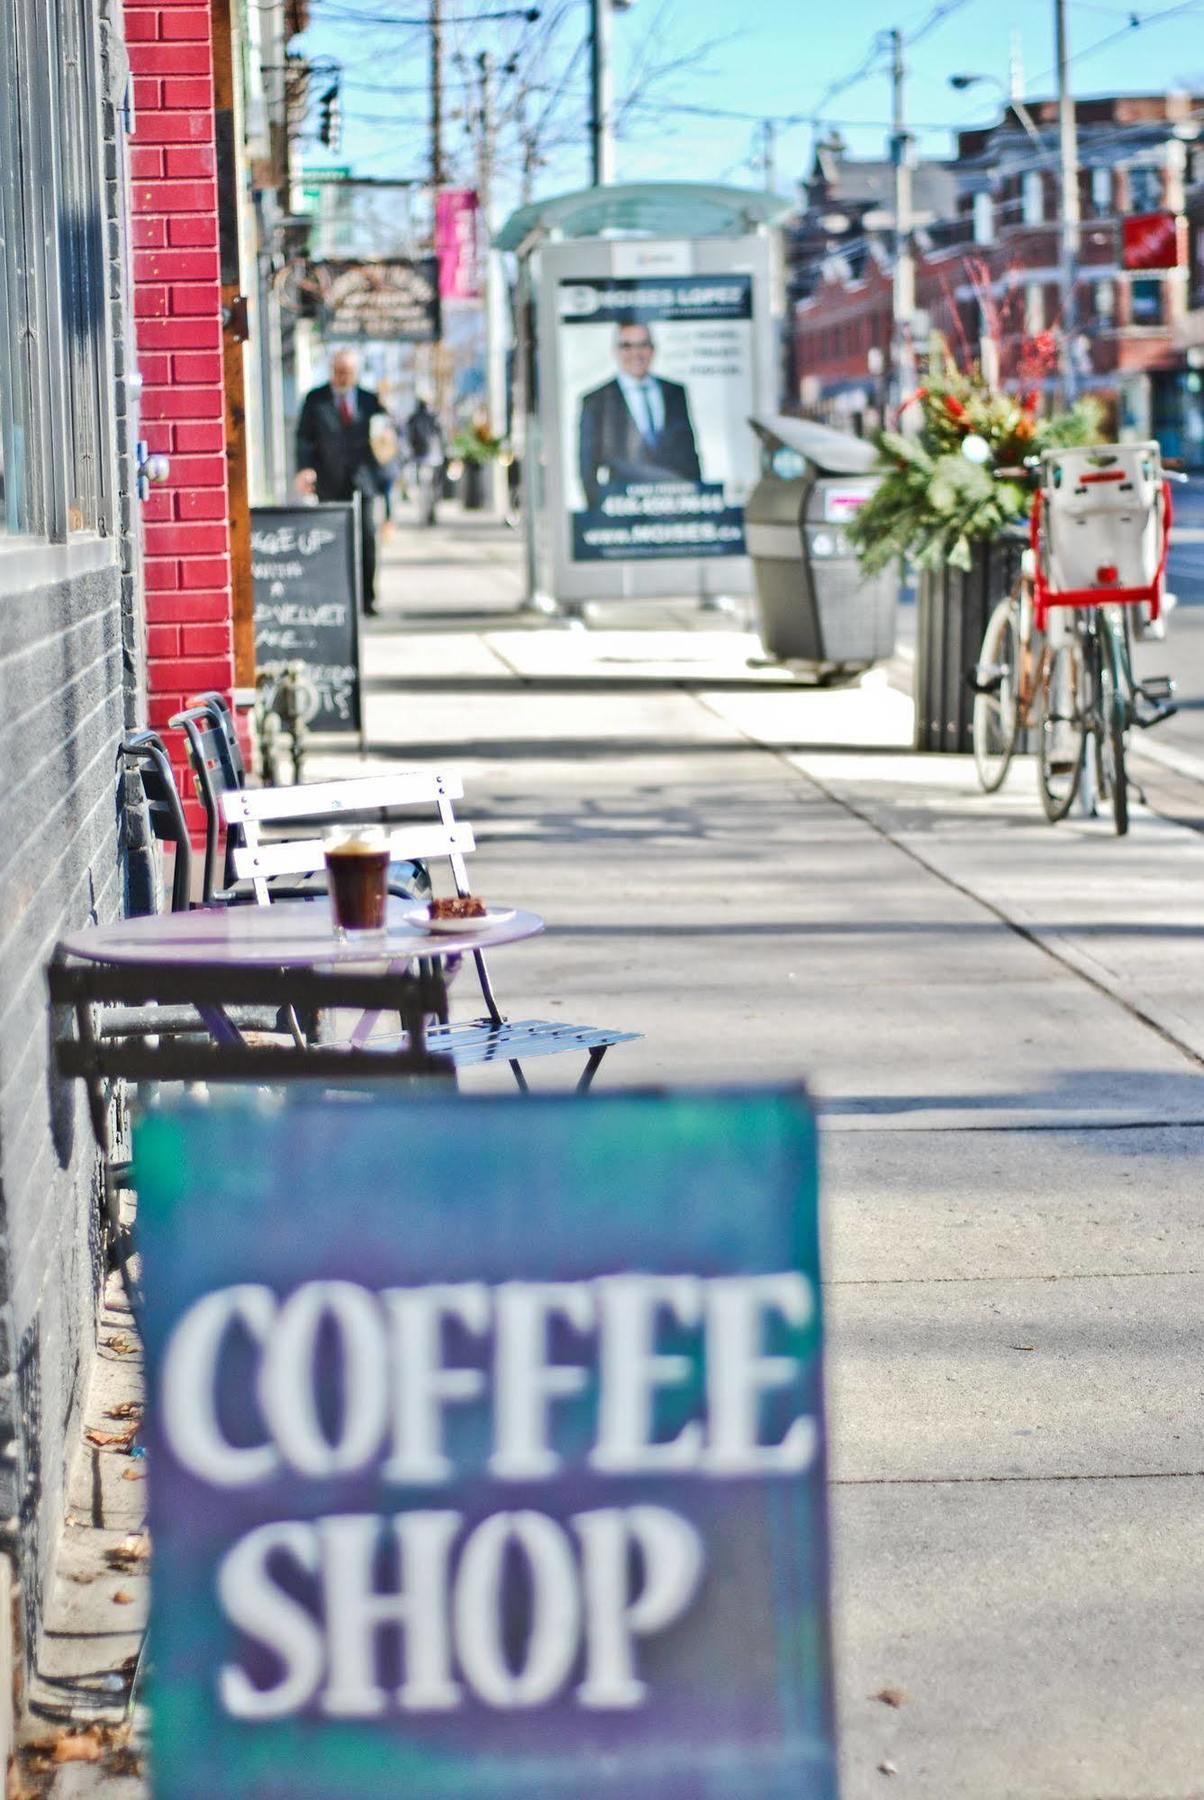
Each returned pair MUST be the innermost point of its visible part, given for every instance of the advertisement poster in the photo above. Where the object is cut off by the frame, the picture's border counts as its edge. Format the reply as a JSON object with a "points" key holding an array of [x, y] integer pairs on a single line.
{"points": [[657, 387], [494, 1471]]}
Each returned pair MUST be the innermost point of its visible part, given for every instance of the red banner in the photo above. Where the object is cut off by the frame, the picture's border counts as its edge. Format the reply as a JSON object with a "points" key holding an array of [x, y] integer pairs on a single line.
{"points": [[457, 213], [1153, 241]]}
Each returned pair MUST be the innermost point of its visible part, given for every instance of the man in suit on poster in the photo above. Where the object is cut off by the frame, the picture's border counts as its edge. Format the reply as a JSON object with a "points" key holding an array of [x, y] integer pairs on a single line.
{"points": [[335, 458], [636, 427]]}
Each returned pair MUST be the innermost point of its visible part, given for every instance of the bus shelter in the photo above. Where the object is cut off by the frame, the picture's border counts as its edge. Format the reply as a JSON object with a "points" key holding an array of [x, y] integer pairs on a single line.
{"points": [[648, 330]]}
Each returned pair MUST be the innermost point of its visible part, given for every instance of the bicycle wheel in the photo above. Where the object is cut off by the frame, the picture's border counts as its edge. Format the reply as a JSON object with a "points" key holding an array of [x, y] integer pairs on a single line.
{"points": [[996, 717], [1062, 736], [1111, 728]]}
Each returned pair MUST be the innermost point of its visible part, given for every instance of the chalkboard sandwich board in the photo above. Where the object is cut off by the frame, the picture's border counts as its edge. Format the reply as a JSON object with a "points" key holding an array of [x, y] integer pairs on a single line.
{"points": [[305, 568]]}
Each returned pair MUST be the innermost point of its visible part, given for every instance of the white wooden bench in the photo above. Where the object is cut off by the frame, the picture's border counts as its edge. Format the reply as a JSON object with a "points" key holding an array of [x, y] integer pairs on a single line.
{"points": [[440, 837]]}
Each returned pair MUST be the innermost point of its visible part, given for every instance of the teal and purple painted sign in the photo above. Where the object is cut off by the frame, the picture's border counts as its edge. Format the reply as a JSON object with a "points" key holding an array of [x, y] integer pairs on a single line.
{"points": [[487, 1449]]}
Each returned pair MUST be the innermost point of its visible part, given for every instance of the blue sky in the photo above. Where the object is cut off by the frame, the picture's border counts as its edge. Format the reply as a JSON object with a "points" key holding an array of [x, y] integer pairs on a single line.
{"points": [[766, 57]]}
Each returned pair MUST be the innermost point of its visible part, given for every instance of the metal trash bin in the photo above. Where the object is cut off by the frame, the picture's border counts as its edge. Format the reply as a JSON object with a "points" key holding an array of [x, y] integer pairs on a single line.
{"points": [[815, 604]]}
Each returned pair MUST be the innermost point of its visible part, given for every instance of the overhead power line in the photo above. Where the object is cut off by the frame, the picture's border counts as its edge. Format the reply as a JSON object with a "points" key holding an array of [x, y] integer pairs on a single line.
{"points": [[352, 16]]}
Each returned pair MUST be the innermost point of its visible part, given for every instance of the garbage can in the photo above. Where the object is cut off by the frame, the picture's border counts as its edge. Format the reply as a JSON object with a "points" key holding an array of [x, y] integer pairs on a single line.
{"points": [[951, 617], [815, 604]]}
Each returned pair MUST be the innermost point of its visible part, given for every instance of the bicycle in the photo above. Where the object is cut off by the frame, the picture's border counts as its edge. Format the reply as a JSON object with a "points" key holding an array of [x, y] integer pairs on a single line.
{"points": [[1061, 656], [1086, 590]]}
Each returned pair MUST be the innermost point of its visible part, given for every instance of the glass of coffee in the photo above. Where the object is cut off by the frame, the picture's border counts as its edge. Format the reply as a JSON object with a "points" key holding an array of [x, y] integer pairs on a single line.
{"points": [[357, 874]]}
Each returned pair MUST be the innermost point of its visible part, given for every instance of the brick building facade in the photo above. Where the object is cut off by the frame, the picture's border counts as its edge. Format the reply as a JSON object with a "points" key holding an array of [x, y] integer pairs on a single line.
{"points": [[988, 280], [177, 306]]}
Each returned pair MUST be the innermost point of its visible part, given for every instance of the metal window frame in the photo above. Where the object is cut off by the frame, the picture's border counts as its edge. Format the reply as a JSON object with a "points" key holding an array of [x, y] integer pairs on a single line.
{"points": [[56, 365], [14, 404]]}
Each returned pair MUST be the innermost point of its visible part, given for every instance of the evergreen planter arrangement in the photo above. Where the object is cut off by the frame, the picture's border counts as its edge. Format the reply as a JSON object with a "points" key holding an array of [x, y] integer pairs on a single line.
{"points": [[475, 448], [947, 504]]}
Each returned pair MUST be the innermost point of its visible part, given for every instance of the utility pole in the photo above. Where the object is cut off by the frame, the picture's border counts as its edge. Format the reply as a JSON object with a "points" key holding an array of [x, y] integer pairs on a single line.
{"points": [[436, 96], [1068, 147], [601, 93], [438, 354], [903, 305], [526, 137], [769, 144], [495, 299]]}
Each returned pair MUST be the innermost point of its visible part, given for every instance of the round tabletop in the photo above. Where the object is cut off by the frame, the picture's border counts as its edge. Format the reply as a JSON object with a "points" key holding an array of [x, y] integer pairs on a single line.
{"points": [[292, 932]]}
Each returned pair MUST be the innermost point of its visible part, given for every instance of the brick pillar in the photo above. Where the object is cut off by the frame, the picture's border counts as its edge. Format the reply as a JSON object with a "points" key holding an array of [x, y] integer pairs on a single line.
{"points": [[177, 308]]}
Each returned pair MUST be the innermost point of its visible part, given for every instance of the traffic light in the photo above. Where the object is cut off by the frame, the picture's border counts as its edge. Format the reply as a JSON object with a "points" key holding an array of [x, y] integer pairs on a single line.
{"points": [[330, 125]]}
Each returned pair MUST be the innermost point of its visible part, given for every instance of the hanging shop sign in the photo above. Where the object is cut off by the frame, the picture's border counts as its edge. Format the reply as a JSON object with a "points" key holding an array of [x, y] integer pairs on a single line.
{"points": [[1152, 241], [457, 223], [389, 301]]}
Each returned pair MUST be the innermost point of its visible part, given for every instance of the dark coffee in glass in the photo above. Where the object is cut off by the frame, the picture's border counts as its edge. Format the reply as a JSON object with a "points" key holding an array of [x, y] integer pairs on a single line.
{"points": [[357, 874]]}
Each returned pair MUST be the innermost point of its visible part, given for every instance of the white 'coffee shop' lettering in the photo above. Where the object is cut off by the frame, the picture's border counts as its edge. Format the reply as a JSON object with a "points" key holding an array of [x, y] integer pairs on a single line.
{"points": [[397, 1387]]}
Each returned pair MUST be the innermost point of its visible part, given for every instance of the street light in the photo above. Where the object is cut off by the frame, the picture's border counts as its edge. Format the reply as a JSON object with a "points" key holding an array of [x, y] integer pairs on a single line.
{"points": [[1016, 105]]}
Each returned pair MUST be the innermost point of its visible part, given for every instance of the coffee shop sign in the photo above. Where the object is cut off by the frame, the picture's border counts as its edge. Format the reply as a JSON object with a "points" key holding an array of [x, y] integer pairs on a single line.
{"points": [[404, 1404]]}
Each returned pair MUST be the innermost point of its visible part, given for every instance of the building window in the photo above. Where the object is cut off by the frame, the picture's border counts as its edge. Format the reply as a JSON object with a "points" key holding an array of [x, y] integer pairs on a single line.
{"points": [[1145, 190], [1101, 192], [1032, 197], [1034, 309], [1105, 302], [54, 365], [1146, 297], [984, 219]]}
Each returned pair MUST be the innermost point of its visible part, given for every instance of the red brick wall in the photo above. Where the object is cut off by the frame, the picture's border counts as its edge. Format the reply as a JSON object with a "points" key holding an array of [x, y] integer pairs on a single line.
{"points": [[177, 312]]}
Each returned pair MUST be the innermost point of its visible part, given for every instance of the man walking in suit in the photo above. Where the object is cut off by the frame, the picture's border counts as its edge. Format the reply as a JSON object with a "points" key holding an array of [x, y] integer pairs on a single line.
{"points": [[335, 460], [637, 427]]}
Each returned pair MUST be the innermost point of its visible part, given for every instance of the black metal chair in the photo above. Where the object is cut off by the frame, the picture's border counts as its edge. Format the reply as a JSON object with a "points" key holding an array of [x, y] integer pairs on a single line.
{"points": [[218, 769], [145, 753], [102, 1058]]}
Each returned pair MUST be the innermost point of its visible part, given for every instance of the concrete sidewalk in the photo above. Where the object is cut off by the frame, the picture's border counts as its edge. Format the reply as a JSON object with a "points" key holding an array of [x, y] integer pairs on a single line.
{"points": [[1002, 1026]]}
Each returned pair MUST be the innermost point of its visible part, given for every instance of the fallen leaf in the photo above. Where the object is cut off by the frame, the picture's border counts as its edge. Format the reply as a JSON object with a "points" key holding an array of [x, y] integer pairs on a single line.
{"points": [[112, 1440], [125, 1761], [126, 1409], [120, 1346], [81, 1746], [886, 1767], [82, 1576], [133, 1474], [890, 1696], [129, 1554], [1022, 1346], [121, 1598], [14, 1787]]}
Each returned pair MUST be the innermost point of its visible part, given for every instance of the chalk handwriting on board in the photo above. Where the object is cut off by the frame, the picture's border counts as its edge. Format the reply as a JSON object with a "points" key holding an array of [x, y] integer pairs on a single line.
{"points": [[288, 537], [304, 570]]}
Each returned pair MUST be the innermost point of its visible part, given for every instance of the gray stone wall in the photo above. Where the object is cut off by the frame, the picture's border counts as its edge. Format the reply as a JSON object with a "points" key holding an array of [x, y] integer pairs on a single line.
{"points": [[63, 687]]}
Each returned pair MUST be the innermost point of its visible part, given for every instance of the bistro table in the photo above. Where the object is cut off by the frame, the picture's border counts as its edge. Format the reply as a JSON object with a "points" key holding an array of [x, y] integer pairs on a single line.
{"points": [[293, 934]]}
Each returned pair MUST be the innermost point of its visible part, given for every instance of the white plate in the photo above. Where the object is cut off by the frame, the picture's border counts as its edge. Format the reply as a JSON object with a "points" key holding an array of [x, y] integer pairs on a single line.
{"points": [[494, 915]]}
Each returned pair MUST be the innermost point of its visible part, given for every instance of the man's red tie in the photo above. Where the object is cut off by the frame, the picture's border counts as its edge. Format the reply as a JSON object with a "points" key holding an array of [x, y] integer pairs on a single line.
{"points": [[347, 409]]}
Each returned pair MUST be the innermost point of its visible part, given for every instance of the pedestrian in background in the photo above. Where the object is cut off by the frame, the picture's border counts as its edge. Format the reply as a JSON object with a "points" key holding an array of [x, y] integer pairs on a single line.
{"points": [[424, 435], [335, 458]]}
